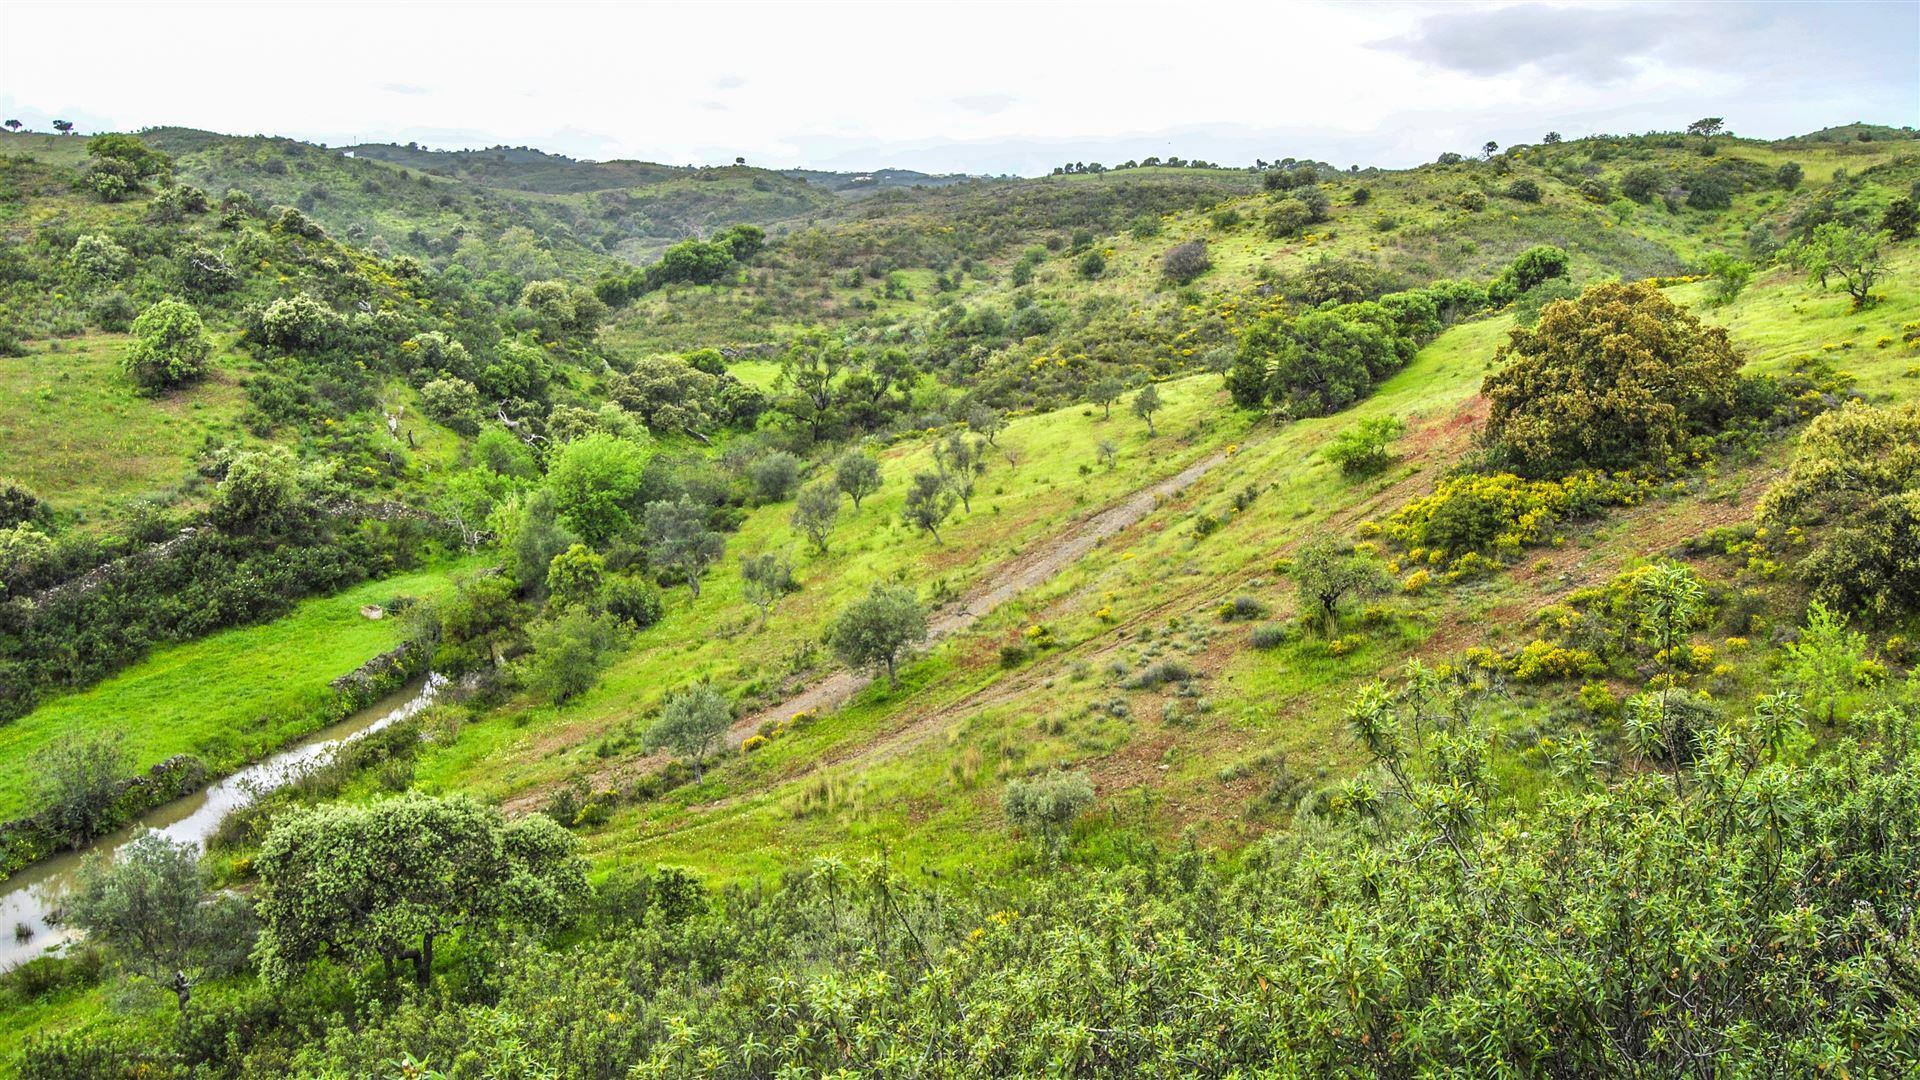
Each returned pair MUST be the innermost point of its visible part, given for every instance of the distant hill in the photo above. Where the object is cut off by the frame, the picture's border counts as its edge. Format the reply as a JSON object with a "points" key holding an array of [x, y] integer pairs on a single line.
{"points": [[1856, 132]]}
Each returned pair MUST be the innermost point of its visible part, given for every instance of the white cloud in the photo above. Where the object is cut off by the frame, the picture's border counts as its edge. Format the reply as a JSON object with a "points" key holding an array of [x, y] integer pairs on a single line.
{"points": [[974, 87]]}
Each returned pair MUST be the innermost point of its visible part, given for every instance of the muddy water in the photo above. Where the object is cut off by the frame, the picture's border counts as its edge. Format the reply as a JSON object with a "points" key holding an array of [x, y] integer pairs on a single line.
{"points": [[30, 896]]}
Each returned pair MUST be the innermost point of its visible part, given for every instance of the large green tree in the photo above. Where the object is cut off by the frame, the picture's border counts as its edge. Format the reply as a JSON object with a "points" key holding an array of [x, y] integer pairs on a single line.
{"points": [[389, 880], [878, 629]]}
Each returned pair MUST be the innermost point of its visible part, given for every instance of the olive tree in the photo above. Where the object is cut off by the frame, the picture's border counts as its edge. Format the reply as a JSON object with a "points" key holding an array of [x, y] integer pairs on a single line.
{"points": [[928, 503], [680, 540], [1145, 404], [1104, 392], [691, 724], [878, 629], [765, 578], [388, 880], [856, 474], [961, 464], [1326, 573], [815, 512], [148, 904]]}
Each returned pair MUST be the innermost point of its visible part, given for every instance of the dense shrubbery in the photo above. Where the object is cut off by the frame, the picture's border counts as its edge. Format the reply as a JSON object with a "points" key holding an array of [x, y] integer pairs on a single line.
{"points": [[1620, 377]]}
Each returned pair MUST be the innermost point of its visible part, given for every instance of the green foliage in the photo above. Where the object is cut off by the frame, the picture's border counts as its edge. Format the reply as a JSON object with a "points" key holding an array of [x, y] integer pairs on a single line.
{"points": [[857, 475], [1325, 573], [570, 649], [258, 492], [815, 512], [767, 577], [1365, 448], [1730, 276], [169, 346], [1825, 663], [1146, 403], [97, 258], [680, 542], [774, 476], [77, 784], [575, 575], [1533, 267], [1855, 479], [693, 724], [389, 879], [1620, 377], [929, 501], [148, 902], [454, 402], [595, 481], [877, 630], [1045, 806], [1837, 250]]}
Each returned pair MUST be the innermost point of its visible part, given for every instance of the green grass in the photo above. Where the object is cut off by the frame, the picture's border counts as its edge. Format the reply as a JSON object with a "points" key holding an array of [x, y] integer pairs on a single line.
{"points": [[230, 697], [79, 433]]}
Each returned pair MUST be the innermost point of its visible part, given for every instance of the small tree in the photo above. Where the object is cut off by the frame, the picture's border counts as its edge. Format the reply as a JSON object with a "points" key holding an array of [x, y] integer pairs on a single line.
{"points": [[1788, 176], [148, 903], [575, 575], [1836, 249], [1104, 392], [814, 513], [679, 540], [569, 652], [1707, 127], [77, 784], [774, 476], [389, 879], [1730, 276], [1365, 448], [1108, 453], [595, 480], [1325, 573], [14, 126], [691, 724], [766, 578], [169, 347], [1668, 602], [1045, 807], [961, 463], [987, 422], [1825, 663], [1145, 404], [928, 503], [878, 629], [856, 474]]}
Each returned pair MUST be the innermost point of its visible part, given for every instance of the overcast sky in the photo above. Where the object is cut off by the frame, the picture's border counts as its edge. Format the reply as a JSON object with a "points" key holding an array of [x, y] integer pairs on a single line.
{"points": [[977, 87]]}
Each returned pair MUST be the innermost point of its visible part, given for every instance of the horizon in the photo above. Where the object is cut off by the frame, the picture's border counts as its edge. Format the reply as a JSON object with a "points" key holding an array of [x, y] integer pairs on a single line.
{"points": [[869, 96]]}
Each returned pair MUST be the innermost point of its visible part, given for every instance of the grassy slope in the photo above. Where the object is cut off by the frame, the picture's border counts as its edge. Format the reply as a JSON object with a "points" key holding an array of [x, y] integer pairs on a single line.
{"points": [[917, 774], [228, 698], [77, 430]]}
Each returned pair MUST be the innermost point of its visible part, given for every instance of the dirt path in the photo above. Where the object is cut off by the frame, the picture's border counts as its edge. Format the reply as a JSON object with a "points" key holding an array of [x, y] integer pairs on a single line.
{"points": [[1032, 567], [1023, 572]]}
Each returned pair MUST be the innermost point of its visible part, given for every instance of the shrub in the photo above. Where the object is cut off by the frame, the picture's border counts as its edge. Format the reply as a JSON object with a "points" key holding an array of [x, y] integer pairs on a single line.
{"points": [[1365, 448], [1185, 262], [454, 402], [1045, 807], [1856, 477], [97, 258], [298, 323], [1618, 378], [1241, 608], [114, 311], [774, 476], [1524, 190], [169, 346], [1269, 636]]}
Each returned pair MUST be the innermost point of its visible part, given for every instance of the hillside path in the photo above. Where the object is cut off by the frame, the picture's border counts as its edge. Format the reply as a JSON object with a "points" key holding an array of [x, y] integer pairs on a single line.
{"points": [[1023, 572], [1042, 561]]}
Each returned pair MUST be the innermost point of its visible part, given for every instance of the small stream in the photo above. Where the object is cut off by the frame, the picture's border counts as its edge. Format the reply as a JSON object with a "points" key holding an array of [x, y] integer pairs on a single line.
{"points": [[28, 897]]}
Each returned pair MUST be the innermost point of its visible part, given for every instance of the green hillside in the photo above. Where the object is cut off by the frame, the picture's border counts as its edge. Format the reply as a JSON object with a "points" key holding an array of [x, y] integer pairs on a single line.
{"points": [[1163, 621]]}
